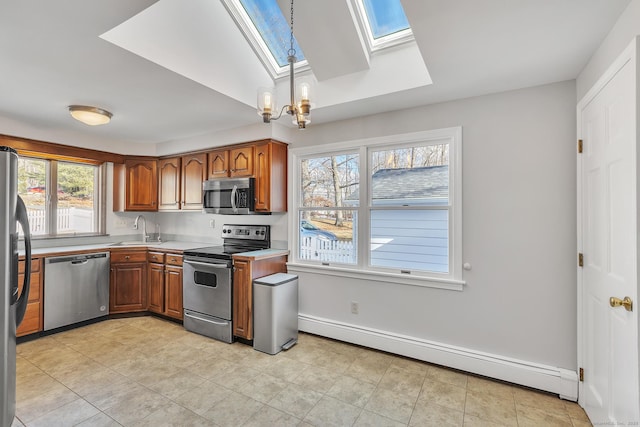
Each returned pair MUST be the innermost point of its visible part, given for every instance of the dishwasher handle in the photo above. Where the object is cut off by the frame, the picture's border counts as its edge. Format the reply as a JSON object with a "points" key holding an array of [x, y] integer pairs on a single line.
{"points": [[76, 259]]}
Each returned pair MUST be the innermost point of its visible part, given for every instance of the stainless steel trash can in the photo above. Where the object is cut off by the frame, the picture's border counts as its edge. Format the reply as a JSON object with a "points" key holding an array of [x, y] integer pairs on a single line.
{"points": [[275, 312]]}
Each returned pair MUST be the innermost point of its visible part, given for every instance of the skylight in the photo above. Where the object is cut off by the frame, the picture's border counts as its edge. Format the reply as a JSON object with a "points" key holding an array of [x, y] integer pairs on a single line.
{"points": [[385, 17], [267, 29], [384, 21]]}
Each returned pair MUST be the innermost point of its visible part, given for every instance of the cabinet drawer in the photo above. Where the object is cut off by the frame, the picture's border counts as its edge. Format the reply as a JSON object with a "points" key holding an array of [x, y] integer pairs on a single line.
{"points": [[34, 287], [157, 257], [117, 257], [173, 259], [31, 322], [35, 265]]}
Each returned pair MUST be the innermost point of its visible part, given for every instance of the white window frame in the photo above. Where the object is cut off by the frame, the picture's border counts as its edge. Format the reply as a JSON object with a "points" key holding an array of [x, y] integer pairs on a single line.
{"points": [[242, 19], [362, 270], [375, 45]]}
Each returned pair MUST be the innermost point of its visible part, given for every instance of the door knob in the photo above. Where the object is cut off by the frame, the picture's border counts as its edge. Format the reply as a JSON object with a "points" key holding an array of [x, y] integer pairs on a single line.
{"points": [[617, 302]]}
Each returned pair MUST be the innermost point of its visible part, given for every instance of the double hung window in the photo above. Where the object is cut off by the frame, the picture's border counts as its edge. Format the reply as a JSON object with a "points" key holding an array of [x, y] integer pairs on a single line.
{"points": [[388, 205]]}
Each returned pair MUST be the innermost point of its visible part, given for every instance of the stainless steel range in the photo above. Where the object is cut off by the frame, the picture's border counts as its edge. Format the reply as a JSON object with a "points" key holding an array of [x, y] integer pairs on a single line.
{"points": [[208, 280]]}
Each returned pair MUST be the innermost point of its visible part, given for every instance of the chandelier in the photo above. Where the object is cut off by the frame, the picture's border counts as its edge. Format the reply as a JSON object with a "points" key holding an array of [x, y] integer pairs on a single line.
{"points": [[299, 106]]}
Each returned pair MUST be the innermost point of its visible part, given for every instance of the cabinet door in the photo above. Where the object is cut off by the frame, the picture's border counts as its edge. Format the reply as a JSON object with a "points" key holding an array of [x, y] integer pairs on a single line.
{"points": [[194, 172], [241, 162], [270, 172], [263, 177], [141, 185], [128, 287], [218, 164], [169, 184], [173, 291], [156, 288], [32, 322], [242, 300]]}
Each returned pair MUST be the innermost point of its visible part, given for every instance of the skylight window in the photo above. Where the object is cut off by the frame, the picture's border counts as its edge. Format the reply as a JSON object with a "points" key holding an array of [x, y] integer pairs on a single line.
{"points": [[384, 21], [385, 17], [267, 29]]}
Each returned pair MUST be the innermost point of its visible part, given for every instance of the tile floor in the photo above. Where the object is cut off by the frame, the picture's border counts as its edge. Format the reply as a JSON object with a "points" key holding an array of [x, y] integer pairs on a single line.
{"points": [[145, 371]]}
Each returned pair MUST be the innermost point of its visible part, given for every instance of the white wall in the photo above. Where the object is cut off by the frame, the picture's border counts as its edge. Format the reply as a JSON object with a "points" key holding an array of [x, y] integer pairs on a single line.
{"points": [[519, 222], [626, 28]]}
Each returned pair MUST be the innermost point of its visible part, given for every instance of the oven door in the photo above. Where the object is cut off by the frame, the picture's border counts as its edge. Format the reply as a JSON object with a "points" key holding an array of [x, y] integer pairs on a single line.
{"points": [[206, 287]]}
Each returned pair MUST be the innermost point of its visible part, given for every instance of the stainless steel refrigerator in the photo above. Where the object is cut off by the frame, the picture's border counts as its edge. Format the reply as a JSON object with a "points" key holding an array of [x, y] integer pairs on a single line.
{"points": [[12, 305]]}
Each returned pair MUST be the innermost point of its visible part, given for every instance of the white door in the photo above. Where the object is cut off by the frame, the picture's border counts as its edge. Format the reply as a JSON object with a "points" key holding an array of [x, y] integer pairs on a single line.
{"points": [[608, 222]]}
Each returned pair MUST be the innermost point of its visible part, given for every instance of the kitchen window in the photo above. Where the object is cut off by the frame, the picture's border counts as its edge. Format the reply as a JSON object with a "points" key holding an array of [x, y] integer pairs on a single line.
{"points": [[386, 206], [73, 208]]}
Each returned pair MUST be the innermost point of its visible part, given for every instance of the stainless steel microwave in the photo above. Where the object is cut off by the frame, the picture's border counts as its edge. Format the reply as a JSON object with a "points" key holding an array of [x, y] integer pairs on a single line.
{"points": [[230, 196]]}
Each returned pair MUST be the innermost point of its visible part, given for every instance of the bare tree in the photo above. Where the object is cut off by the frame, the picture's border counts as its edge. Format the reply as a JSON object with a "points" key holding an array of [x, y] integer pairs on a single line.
{"points": [[337, 191]]}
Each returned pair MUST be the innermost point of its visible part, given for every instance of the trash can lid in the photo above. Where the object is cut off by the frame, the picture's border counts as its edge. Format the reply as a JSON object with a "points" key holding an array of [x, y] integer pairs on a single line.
{"points": [[276, 279]]}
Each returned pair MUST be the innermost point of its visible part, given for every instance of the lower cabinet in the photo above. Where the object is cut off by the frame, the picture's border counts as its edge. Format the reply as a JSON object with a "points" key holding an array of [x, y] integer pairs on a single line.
{"points": [[245, 270], [33, 320], [165, 284], [128, 284]]}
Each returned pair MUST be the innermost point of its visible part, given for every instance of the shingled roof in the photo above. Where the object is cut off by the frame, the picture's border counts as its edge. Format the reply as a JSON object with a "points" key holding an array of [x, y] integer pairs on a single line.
{"points": [[411, 183]]}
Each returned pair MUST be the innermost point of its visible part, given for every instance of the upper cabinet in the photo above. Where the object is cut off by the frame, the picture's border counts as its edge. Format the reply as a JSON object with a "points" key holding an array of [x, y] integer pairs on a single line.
{"points": [[136, 185], [270, 166], [194, 172], [218, 164], [169, 184], [180, 182], [241, 162], [233, 162], [175, 183]]}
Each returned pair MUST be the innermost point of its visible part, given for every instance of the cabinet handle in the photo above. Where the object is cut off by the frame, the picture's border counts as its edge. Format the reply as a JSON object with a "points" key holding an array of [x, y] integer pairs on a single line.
{"points": [[127, 257], [154, 257]]}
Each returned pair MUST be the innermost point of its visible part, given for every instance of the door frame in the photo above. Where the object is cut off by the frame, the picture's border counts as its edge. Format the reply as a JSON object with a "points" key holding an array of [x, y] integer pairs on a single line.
{"points": [[630, 53]]}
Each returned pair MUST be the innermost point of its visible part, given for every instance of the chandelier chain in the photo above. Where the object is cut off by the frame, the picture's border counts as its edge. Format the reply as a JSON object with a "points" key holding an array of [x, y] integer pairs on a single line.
{"points": [[292, 51]]}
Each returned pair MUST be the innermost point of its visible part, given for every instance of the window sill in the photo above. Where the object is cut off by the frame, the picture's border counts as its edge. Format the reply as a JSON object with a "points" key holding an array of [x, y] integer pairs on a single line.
{"points": [[402, 279]]}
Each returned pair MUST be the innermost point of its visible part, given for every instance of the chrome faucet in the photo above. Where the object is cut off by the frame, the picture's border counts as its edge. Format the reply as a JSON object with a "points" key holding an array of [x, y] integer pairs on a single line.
{"points": [[145, 236]]}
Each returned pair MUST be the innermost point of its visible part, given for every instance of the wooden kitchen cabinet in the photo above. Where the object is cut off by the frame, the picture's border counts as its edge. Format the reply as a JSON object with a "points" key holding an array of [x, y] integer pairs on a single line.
{"points": [[241, 162], [155, 287], [218, 164], [169, 183], [194, 173], [135, 185], [165, 284], [33, 321], [270, 172], [231, 162], [128, 281], [245, 270]]}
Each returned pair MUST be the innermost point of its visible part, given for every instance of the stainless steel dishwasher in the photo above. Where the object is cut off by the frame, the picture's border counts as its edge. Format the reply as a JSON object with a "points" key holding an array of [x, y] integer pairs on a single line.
{"points": [[76, 288]]}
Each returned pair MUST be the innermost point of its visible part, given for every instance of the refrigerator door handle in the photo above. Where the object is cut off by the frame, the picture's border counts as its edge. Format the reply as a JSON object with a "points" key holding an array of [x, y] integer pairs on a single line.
{"points": [[23, 219]]}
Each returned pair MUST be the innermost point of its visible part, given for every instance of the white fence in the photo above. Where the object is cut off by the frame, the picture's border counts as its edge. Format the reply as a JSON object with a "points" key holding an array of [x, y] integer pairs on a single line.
{"points": [[69, 219], [312, 248]]}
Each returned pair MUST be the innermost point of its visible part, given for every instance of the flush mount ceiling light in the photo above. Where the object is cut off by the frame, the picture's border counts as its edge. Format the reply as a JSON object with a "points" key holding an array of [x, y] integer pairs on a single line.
{"points": [[298, 107], [91, 116]]}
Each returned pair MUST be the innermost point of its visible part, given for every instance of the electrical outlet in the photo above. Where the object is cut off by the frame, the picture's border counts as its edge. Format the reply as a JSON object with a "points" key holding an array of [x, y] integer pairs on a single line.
{"points": [[354, 307], [212, 223]]}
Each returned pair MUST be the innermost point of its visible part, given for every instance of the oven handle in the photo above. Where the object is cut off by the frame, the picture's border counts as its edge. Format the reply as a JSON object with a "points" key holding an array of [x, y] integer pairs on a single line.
{"points": [[234, 195], [205, 320], [208, 264]]}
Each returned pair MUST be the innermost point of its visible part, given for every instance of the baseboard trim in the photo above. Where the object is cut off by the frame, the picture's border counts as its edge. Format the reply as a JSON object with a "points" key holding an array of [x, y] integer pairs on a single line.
{"points": [[542, 377]]}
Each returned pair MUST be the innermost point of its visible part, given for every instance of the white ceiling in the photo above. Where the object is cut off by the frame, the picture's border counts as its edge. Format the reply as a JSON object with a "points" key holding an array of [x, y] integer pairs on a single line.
{"points": [[177, 68]]}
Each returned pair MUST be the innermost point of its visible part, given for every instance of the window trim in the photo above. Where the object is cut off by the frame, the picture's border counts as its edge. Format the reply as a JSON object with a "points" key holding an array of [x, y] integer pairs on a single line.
{"points": [[375, 45], [251, 33], [453, 279]]}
